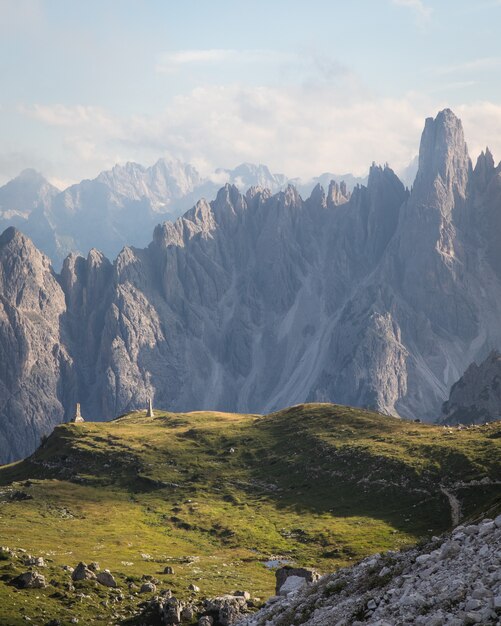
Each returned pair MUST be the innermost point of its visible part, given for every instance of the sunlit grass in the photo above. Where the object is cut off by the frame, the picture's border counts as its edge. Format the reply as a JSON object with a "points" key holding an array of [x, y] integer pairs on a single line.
{"points": [[318, 484]]}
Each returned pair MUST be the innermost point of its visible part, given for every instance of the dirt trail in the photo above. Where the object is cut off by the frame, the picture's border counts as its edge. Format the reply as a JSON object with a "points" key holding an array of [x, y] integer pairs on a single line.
{"points": [[454, 504]]}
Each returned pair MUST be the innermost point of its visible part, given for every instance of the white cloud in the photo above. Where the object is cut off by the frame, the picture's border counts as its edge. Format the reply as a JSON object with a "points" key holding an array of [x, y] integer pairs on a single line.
{"points": [[422, 11], [475, 65], [301, 131], [170, 62], [482, 124], [69, 116]]}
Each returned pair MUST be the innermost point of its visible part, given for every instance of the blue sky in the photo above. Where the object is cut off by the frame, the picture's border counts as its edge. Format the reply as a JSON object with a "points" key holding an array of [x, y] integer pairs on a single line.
{"points": [[303, 86]]}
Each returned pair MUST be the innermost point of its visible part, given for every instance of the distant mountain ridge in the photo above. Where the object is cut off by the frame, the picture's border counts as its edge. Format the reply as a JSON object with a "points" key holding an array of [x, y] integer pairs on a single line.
{"points": [[378, 298], [123, 205]]}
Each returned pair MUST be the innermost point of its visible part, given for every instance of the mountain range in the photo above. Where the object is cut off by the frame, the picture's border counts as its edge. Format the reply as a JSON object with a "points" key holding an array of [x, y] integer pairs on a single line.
{"points": [[122, 206], [380, 298]]}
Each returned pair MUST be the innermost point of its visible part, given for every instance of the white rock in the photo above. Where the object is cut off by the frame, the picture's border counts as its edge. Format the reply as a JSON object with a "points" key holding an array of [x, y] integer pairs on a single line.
{"points": [[292, 584]]}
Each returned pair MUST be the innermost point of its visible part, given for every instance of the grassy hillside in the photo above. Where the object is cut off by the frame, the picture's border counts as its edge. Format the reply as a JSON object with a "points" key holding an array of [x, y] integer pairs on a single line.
{"points": [[216, 495]]}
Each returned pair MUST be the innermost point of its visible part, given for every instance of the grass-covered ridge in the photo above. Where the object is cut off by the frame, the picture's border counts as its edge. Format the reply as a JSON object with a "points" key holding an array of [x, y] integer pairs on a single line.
{"points": [[215, 495]]}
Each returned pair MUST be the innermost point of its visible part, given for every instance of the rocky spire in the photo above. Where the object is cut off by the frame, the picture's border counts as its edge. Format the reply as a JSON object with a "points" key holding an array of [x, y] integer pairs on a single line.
{"points": [[149, 412], [484, 169], [443, 153], [337, 194]]}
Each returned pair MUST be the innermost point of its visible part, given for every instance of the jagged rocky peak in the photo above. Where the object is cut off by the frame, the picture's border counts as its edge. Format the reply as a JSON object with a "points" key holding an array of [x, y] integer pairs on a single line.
{"points": [[247, 174], [443, 153], [25, 192], [95, 258], [383, 176], [228, 200], [34, 358], [318, 196], [30, 175], [484, 169], [257, 192], [289, 198], [160, 183], [12, 236], [476, 396], [337, 194], [19, 256], [83, 278]]}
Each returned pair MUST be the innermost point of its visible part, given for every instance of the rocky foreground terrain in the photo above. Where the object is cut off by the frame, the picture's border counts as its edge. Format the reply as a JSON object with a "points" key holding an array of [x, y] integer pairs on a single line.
{"points": [[378, 298], [453, 581]]}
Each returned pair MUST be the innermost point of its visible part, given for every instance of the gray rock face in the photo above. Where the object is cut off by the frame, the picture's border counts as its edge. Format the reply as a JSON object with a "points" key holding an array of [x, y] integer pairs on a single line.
{"points": [[36, 378], [476, 396], [379, 298]]}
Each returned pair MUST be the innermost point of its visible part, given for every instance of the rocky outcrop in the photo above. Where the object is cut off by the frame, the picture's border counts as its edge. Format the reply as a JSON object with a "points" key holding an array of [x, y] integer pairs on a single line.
{"points": [[476, 397], [452, 581], [30, 580], [82, 572], [379, 298]]}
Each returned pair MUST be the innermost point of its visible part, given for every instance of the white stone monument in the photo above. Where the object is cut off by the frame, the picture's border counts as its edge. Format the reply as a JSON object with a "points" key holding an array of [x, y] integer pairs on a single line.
{"points": [[78, 416]]}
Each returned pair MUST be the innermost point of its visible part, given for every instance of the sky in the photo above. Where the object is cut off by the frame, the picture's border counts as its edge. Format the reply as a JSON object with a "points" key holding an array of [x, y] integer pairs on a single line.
{"points": [[303, 86]]}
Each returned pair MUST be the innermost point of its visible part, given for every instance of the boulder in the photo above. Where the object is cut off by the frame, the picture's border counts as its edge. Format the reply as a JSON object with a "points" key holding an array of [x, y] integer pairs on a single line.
{"points": [[106, 578], [148, 587], [293, 583], [30, 580], [172, 610], [82, 572], [205, 620], [187, 614], [36, 561], [310, 575], [227, 609], [168, 570], [164, 609]]}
